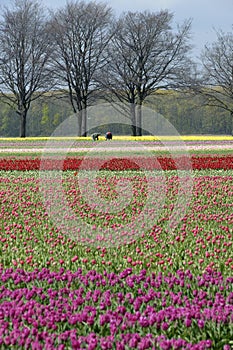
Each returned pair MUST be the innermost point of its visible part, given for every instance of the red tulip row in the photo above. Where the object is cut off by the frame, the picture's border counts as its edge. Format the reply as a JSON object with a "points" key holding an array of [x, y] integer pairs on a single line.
{"points": [[135, 163]]}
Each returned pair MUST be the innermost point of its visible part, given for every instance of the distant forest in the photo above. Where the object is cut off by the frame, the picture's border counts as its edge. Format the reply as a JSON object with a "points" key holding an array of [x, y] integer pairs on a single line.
{"points": [[185, 113]]}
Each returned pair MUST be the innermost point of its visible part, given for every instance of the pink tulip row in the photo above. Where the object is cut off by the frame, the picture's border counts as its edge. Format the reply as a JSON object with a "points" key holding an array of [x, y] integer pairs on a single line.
{"points": [[30, 237]]}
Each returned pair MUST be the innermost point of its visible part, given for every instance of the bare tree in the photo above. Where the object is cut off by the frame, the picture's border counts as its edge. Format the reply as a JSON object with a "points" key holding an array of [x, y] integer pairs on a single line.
{"points": [[216, 85], [81, 33], [146, 55], [119, 81], [24, 56]]}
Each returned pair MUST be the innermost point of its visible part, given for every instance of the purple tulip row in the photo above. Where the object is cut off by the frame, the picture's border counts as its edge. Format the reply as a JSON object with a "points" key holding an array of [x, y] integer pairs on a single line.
{"points": [[63, 310]]}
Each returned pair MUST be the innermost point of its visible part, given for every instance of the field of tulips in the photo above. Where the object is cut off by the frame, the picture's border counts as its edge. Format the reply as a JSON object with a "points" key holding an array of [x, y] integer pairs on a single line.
{"points": [[156, 286]]}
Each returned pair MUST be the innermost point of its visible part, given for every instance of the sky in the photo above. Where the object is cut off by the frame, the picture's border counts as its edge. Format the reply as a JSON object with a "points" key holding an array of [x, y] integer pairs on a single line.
{"points": [[207, 15]]}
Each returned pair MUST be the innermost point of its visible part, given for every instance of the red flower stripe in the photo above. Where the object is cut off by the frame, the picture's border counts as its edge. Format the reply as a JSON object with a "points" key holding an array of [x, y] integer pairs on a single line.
{"points": [[149, 163]]}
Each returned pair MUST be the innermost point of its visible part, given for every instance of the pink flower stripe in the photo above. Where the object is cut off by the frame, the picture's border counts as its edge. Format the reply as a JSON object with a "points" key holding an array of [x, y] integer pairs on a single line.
{"points": [[131, 163]]}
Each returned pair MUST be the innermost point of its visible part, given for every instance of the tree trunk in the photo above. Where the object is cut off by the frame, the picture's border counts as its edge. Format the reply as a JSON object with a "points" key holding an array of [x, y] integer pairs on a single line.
{"points": [[79, 116], [23, 117], [84, 122], [133, 120], [139, 119]]}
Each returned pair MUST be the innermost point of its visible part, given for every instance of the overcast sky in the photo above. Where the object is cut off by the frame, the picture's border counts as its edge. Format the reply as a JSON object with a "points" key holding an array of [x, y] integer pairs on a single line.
{"points": [[206, 15]]}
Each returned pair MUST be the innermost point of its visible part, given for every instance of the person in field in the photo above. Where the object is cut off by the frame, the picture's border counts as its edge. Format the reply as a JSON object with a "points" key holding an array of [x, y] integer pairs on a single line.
{"points": [[95, 136], [108, 136]]}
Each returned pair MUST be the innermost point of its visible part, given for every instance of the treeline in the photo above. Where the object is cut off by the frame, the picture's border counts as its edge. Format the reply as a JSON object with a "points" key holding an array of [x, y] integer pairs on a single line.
{"points": [[82, 49], [184, 113], [84, 54]]}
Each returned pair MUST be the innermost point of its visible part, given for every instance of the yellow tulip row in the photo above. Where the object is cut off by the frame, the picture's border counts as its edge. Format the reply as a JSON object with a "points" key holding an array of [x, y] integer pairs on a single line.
{"points": [[129, 138]]}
